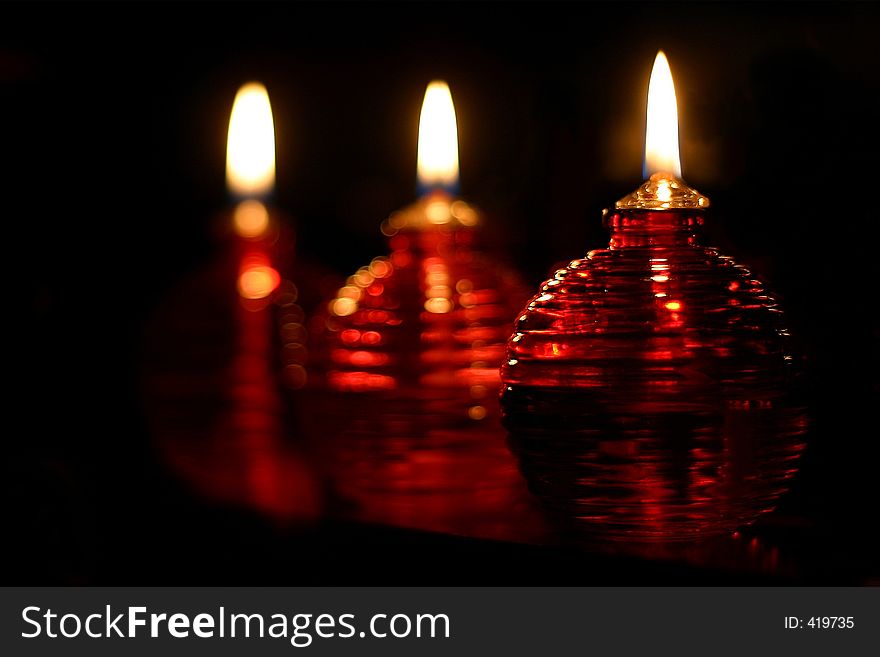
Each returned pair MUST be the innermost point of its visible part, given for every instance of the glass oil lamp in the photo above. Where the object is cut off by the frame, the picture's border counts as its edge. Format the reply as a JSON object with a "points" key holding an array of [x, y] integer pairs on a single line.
{"points": [[410, 349], [649, 386], [213, 380]]}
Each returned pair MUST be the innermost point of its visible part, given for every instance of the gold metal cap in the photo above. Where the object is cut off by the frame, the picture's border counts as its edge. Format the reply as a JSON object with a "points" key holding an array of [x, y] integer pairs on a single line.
{"points": [[663, 191], [434, 210]]}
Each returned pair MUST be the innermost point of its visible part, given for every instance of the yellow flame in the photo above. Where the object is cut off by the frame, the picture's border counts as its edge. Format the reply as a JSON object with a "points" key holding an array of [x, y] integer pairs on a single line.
{"points": [[438, 138], [661, 135], [250, 148]]}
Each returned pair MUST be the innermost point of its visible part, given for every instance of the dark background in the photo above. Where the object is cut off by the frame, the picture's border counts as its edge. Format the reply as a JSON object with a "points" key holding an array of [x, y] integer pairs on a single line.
{"points": [[113, 121]]}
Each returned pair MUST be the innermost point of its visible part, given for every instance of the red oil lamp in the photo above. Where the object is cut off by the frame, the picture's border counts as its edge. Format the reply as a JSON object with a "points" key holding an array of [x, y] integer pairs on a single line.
{"points": [[212, 377], [648, 387], [410, 349]]}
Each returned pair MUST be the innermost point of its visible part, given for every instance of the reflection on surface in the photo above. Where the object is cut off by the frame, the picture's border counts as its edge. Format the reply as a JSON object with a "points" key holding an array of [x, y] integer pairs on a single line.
{"points": [[391, 464], [740, 552]]}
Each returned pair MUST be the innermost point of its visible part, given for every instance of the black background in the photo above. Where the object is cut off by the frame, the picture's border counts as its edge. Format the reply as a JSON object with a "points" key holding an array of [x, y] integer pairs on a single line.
{"points": [[113, 121]]}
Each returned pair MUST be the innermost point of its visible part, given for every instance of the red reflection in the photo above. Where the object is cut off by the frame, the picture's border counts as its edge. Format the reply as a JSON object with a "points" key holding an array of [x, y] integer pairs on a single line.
{"points": [[734, 553], [407, 471]]}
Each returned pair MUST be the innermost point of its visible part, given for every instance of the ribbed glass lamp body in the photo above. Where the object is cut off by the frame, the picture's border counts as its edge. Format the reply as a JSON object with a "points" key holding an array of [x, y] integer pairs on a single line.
{"points": [[409, 352], [649, 387]]}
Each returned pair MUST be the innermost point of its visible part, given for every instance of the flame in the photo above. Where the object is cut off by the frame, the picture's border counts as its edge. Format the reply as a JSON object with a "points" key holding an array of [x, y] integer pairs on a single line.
{"points": [[250, 148], [661, 135], [438, 139]]}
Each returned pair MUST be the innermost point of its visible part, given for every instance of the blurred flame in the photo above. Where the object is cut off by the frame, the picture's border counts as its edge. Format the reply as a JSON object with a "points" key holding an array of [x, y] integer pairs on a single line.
{"points": [[661, 135], [251, 218], [250, 148], [438, 138]]}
